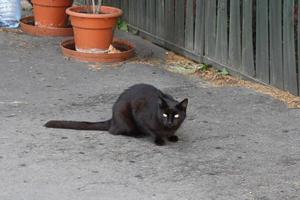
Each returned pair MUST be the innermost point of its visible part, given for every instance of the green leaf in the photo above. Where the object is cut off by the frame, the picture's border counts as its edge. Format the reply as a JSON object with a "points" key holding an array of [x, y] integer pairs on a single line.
{"points": [[203, 67], [224, 72], [122, 25]]}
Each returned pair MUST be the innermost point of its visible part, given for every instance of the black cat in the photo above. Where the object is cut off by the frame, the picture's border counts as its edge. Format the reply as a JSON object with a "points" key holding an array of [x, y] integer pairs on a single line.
{"points": [[141, 109]]}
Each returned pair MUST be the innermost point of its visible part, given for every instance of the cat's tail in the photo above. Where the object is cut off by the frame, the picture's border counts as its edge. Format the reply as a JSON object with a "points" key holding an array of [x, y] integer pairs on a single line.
{"points": [[77, 125]]}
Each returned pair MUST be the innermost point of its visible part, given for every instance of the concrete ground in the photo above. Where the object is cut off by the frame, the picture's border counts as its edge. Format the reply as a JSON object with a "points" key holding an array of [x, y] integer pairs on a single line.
{"points": [[236, 144]]}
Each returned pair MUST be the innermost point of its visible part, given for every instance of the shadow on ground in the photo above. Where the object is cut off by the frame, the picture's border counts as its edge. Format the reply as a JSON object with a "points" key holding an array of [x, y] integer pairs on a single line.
{"points": [[236, 144]]}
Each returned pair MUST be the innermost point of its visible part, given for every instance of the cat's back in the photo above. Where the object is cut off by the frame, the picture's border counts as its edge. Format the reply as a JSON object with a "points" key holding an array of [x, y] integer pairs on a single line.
{"points": [[136, 97], [139, 91]]}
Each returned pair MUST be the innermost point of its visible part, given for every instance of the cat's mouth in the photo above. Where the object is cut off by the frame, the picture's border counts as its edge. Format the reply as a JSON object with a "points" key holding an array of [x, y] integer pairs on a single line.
{"points": [[171, 126]]}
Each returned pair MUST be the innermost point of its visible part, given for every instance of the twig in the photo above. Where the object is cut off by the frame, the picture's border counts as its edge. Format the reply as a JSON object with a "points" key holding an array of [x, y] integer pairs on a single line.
{"points": [[98, 10], [94, 6]]}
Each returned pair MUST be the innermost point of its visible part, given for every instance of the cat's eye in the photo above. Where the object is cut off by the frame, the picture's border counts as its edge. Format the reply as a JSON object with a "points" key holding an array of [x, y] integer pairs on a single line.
{"points": [[176, 116], [165, 115]]}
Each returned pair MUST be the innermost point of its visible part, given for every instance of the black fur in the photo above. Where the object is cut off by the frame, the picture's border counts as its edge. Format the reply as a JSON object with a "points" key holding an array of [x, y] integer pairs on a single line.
{"points": [[141, 109]]}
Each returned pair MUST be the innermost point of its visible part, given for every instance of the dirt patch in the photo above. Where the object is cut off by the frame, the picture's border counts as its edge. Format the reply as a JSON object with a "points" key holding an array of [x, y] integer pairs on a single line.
{"points": [[11, 30], [180, 64], [99, 66], [219, 80]]}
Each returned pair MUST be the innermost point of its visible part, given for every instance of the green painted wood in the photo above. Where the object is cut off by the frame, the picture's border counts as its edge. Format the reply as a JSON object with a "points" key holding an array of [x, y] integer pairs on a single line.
{"points": [[298, 48], [264, 48], [179, 22], [210, 27], [262, 38], [150, 16], [199, 27], [189, 24], [276, 63], [222, 33], [109, 2], [247, 66], [105, 2], [131, 12], [289, 51], [160, 18], [124, 6], [141, 6], [135, 12], [147, 16], [235, 46], [117, 3], [170, 20]]}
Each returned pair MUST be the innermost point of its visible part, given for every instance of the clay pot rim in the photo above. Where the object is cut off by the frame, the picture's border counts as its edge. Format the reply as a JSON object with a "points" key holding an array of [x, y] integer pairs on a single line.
{"points": [[52, 3], [72, 12], [99, 57], [43, 31]]}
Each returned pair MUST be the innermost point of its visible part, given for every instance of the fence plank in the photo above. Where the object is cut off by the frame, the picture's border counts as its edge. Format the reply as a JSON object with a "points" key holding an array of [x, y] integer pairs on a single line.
{"points": [[131, 12], [124, 6], [199, 27], [210, 27], [264, 49], [160, 18], [247, 39], [136, 13], [222, 33], [235, 34], [118, 3], [169, 20], [150, 16], [289, 52], [276, 70], [298, 47], [189, 25], [262, 38], [179, 21], [141, 6]]}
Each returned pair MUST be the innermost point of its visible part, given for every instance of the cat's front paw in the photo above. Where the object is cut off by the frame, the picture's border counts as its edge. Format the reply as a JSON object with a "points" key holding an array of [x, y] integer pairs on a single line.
{"points": [[173, 138], [159, 141]]}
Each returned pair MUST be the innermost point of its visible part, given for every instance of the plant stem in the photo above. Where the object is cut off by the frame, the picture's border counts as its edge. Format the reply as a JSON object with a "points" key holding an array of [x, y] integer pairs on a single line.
{"points": [[94, 7], [98, 10]]}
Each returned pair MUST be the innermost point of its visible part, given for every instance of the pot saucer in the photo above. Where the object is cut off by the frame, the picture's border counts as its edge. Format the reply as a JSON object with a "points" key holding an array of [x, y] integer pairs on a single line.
{"points": [[124, 48], [27, 25]]}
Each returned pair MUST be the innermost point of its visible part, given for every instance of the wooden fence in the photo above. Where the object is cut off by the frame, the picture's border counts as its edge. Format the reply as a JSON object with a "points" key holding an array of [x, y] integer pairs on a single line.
{"points": [[258, 39]]}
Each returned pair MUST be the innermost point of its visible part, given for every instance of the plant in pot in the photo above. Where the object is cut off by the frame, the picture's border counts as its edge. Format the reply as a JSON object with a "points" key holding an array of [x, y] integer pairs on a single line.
{"points": [[51, 13], [50, 18], [93, 26]]}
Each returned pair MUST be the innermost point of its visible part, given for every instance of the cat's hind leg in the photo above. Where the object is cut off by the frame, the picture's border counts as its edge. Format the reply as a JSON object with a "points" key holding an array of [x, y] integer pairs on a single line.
{"points": [[159, 141], [122, 124], [173, 138], [116, 131], [125, 132]]}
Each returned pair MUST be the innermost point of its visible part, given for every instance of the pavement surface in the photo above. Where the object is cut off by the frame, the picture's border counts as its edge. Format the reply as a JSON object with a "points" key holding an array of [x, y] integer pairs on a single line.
{"points": [[235, 144]]}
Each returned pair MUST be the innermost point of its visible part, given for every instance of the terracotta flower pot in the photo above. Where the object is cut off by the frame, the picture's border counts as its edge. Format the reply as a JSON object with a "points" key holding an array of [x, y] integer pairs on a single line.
{"points": [[93, 33], [51, 13]]}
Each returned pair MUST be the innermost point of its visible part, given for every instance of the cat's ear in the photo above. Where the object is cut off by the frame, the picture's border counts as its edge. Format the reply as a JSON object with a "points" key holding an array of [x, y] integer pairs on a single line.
{"points": [[162, 103], [183, 104]]}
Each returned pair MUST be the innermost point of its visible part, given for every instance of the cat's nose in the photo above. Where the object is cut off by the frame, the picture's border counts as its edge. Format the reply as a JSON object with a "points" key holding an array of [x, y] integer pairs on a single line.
{"points": [[169, 124]]}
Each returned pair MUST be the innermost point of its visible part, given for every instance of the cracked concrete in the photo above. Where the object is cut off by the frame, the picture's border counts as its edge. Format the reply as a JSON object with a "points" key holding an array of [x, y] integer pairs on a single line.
{"points": [[236, 144]]}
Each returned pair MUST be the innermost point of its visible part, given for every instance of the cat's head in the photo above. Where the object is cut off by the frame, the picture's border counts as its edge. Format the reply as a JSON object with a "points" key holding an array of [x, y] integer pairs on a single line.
{"points": [[172, 113]]}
